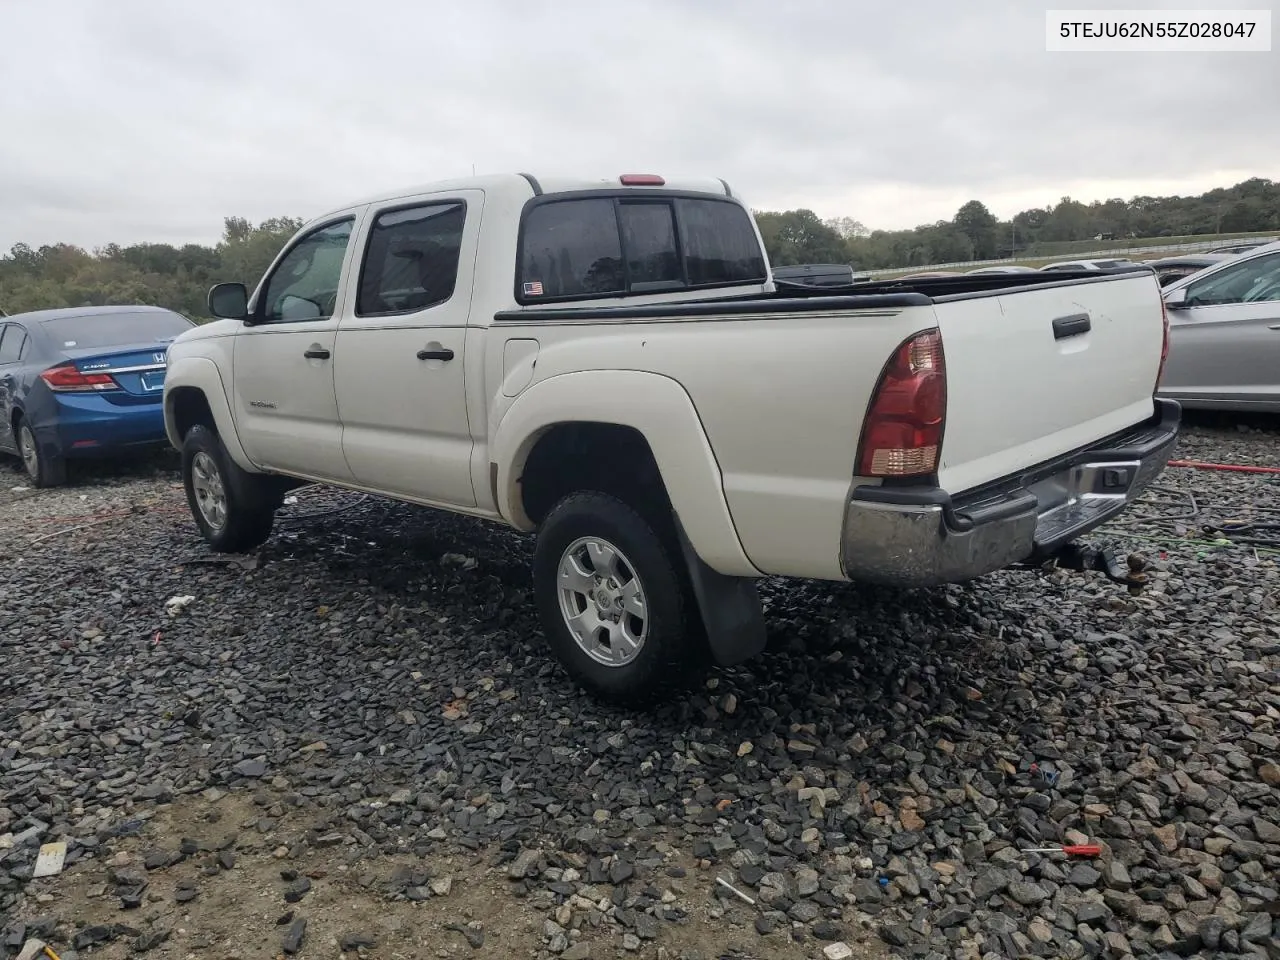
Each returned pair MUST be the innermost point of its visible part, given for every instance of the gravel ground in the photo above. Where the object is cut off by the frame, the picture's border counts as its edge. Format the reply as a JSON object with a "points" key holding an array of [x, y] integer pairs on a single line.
{"points": [[364, 710]]}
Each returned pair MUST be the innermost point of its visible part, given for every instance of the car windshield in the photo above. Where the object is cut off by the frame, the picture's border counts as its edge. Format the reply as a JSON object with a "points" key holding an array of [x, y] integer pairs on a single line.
{"points": [[114, 329]]}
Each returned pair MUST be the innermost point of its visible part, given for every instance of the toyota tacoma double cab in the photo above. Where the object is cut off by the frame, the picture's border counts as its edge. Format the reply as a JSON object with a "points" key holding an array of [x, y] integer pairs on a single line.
{"points": [[610, 364]]}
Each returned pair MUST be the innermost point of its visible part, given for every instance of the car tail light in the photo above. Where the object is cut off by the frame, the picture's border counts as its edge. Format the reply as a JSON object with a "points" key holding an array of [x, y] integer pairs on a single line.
{"points": [[642, 180], [65, 378], [902, 432], [1164, 346]]}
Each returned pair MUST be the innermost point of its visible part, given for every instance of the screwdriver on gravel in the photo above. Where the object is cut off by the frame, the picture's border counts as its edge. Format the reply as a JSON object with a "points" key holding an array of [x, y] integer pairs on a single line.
{"points": [[1071, 850]]}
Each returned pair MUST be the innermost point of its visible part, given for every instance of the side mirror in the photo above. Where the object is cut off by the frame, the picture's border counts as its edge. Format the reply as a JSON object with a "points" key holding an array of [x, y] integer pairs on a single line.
{"points": [[1177, 299], [229, 301]]}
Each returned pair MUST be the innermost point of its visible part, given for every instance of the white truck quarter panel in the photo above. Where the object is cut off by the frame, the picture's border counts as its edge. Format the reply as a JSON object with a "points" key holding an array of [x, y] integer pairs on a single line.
{"points": [[781, 401]]}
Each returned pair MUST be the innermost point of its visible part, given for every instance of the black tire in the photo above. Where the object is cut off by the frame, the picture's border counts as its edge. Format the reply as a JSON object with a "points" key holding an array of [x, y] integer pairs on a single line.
{"points": [[42, 469], [667, 659], [209, 474]]}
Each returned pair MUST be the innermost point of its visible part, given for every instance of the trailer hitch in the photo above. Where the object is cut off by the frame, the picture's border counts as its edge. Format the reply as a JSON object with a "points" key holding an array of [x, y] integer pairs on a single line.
{"points": [[1081, 557]]}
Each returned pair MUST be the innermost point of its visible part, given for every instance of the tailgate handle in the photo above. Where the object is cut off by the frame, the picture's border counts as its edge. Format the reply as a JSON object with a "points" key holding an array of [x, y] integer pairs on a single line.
{"points": [[1071, 326]]}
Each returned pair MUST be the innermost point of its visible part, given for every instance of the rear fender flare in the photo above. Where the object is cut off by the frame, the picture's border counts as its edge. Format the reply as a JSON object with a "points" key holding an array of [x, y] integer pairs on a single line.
{"points": [[662, 412], [202, 374]]}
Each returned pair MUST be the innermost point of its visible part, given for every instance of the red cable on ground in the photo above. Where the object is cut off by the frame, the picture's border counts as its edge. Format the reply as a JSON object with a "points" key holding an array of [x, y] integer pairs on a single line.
{"points": [[1231, 467]]}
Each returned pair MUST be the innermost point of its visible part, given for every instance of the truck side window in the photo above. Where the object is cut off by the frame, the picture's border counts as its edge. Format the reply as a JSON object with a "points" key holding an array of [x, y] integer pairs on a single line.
{"points": [[720, 245], [304, 285], [411, 260], [571, 248]]}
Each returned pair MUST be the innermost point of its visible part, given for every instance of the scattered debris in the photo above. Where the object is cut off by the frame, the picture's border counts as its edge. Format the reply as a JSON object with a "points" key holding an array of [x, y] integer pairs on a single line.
{"points": [[51, 859], [735, 891], [1071, 850], [458, 560], [175, 605]]}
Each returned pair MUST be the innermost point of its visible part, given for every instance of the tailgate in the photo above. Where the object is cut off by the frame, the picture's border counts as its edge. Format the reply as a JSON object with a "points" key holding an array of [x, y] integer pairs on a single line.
{"points": [[1036, 373]]}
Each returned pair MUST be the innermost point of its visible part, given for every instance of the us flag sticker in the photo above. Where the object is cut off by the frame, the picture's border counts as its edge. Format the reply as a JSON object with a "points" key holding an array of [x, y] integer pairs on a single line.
{"points": [[533, 289]]}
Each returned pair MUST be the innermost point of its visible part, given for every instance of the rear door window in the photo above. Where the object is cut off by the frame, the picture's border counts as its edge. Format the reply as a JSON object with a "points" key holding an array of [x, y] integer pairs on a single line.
{"points": [[411, 261], [618, 245]]}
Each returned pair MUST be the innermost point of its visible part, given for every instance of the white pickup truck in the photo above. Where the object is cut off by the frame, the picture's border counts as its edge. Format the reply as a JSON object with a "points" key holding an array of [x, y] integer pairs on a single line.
{"points": [[610, 363]]}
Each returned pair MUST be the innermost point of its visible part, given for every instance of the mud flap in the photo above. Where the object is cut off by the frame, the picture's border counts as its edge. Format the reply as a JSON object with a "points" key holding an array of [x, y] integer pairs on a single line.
{"points": [[730, 606]]}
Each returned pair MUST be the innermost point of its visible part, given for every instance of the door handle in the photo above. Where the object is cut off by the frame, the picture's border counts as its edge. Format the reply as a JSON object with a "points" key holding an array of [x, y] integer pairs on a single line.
{"points": [[1071, 326], [316, 353], [1274, 326], [442, 354]]}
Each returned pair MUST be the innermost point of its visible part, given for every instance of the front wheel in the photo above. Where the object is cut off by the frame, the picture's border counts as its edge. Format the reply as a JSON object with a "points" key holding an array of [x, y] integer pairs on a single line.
{"points": [[228, 508], [612, 602]]}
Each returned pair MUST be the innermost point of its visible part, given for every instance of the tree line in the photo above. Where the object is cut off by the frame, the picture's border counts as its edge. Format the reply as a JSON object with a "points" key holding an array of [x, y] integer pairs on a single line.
{"points": [[178, 277], [1062, 229], [64, 275]]}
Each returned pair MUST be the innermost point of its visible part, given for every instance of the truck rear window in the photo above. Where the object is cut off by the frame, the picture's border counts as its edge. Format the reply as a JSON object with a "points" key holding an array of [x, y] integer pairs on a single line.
{"points": [[586, 247]]}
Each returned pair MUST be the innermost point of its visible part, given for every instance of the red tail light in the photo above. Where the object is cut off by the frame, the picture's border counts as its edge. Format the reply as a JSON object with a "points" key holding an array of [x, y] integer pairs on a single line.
{"points": [[902, 432], [65, 378], [1164, 346], [642, 180]]}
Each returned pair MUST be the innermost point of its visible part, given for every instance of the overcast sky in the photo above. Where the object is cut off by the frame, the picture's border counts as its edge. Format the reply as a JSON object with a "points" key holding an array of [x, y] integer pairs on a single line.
{"points": [[133, 120]]}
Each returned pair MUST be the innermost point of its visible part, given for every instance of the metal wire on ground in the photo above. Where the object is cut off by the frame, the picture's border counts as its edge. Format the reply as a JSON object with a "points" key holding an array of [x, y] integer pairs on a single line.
{"points": [[1254, 527], [1226, 467], [294, 517]]}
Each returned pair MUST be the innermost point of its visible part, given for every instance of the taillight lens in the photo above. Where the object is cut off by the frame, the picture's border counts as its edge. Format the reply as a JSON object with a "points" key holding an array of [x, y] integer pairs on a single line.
{"points": [[1164, 346], [65, 378], [902, 432]]}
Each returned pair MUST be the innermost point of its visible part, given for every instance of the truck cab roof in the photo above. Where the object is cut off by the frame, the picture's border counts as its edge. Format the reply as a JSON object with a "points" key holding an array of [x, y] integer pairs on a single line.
{"points": [[522, 184]]}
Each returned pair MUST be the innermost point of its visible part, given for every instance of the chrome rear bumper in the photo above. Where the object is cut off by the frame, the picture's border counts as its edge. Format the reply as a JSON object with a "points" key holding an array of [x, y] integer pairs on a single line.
{"points": [[920, 536]]}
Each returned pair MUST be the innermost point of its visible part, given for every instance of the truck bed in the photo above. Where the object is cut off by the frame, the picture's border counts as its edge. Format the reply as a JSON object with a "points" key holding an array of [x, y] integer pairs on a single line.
{"points": [[802, 297], [1037, 364]]}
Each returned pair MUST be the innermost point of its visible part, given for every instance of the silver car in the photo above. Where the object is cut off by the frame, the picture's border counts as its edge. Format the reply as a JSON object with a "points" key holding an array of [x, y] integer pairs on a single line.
{"points": [[1105, 264], [1013, 268], [1224, 335]]}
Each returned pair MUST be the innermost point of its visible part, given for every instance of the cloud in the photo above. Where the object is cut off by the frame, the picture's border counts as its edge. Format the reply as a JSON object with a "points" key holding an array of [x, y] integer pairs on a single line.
{"points": [[140, 120]]}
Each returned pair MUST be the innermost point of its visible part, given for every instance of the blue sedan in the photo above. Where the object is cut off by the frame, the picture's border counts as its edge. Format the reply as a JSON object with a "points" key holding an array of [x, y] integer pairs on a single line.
{"points": [[82, 382]]}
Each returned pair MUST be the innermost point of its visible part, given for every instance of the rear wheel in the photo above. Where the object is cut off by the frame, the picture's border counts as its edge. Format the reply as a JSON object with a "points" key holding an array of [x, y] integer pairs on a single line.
{"points": [[43, 469], [232, 508], [612, 602]]}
